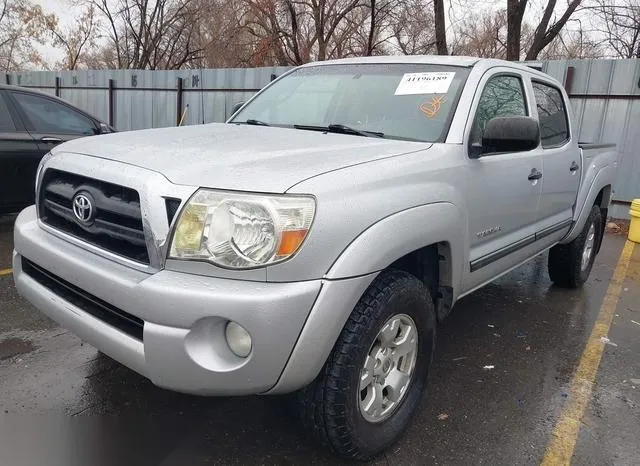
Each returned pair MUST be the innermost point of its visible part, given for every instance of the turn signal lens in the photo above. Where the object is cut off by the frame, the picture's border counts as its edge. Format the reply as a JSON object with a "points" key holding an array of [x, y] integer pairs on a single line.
{"points": [[291, 241]]}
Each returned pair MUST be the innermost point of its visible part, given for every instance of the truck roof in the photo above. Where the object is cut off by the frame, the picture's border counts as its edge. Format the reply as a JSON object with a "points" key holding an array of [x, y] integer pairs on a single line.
{"points": [[405, 59], [464, 61]]}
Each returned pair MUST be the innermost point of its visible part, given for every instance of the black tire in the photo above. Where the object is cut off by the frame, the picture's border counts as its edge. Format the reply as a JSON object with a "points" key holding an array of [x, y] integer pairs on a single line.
{"points": [[565, 260], [329, 406]]}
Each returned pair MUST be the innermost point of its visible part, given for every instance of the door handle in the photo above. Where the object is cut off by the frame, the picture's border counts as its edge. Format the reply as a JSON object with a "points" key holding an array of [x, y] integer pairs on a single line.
{"points": [[51, 140], [534, 175], [574, 166]]}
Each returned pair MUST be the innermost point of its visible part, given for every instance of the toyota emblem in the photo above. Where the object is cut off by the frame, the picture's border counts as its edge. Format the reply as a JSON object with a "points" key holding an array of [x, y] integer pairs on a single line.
{"points": [[83, 208]]}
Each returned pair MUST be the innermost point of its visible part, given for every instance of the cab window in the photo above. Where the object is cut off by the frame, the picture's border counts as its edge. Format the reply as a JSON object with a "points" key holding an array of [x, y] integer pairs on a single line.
{"points": [[552, 115], [503, 95]]}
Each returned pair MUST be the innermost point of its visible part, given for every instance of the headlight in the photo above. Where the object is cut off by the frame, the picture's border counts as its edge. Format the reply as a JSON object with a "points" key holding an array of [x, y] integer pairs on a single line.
{"points": [[241, 230]]}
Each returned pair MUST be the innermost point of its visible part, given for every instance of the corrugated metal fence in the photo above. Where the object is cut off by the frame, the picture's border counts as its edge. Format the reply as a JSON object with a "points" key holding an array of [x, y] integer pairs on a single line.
{"points": [[135, 99], [605, 95]]}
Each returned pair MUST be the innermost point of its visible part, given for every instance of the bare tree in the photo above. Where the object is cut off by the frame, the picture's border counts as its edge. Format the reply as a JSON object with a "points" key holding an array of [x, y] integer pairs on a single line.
{"points": [[22, 25], [224, 40], [171, 34], [150, 35], [440, 27], [619, 23], [482, 35], [274, 26], [413, 30], [367, 30], [301, 30], [76, 39], [515, 15], [573, 45], [545, 32]]}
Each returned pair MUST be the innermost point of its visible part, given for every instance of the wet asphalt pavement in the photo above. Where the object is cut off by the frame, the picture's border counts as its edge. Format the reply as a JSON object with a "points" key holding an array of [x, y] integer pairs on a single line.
{"points": [[531, 332]]}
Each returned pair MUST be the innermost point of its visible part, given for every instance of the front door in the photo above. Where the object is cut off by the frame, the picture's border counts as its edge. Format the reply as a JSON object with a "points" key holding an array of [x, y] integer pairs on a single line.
{"points": [[560, 161], [503, 189]]}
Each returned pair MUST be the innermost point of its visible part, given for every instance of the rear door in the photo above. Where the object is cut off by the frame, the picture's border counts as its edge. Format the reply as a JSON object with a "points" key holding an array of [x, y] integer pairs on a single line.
{"points": [[18, 151], [560, 160]]}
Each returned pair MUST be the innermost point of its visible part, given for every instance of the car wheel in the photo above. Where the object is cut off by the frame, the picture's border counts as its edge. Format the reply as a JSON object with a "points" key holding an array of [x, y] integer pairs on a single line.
{"points": [[376, 374], [570, 264]]}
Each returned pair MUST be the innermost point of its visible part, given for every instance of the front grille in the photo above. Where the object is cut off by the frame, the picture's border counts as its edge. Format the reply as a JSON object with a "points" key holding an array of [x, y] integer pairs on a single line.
{"points": [[123, 321], [117, 223]]}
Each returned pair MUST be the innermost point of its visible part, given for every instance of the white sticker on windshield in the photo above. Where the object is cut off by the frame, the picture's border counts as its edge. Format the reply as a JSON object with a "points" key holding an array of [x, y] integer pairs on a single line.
{"points": [[425, 83]]}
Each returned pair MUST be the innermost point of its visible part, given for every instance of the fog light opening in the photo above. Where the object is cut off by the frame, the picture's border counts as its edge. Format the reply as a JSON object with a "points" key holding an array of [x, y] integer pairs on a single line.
{"points": [[238, 339]]}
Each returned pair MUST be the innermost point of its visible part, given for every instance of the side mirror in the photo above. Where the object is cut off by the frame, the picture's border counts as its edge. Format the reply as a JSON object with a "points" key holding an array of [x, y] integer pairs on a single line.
{"points": [[102, 128], [509, 134], [237, 107]]}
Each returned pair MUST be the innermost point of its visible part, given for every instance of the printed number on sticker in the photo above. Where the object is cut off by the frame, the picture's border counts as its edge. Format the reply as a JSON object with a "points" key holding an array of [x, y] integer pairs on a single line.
{"points": [[425, 83]]}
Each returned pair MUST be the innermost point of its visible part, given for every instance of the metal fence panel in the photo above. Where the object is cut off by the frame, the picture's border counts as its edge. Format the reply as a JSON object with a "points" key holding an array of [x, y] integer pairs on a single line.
{"points": [[163, 102], [192, 96]]}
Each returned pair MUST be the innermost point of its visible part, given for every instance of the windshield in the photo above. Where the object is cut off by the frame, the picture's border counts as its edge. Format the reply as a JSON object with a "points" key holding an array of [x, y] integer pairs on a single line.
{"points": [[395, 101]]}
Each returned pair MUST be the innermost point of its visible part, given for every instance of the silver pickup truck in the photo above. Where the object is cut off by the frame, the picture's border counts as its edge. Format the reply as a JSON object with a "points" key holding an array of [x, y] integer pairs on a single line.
{"points": [[311, 244]]}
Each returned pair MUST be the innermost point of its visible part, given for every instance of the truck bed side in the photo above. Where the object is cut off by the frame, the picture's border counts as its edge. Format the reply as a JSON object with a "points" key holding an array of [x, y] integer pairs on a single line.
{"points": [[598, 172]]}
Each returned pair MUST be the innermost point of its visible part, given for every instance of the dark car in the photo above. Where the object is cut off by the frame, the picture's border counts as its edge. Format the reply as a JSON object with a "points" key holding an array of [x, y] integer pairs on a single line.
{"points": [[31, 123]]}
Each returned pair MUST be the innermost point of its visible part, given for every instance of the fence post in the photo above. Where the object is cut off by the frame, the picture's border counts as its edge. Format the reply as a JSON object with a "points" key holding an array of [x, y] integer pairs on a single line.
{"points": [[58, 87], [112, 87], [179, 101], [568, 80], [7, 78]]}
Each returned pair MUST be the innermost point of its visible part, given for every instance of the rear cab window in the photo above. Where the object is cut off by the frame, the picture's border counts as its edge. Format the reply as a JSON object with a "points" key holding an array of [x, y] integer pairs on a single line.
{"points": [[552, 115]]}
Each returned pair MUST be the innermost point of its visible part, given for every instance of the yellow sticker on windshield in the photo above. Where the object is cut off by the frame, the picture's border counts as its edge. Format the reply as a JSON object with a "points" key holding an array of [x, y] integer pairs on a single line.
{"points": [[432, 108]]}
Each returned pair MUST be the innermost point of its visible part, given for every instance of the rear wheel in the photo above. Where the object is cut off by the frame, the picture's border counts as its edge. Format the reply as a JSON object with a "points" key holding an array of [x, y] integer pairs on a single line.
{"points": [[374, 379], [570, 264]]}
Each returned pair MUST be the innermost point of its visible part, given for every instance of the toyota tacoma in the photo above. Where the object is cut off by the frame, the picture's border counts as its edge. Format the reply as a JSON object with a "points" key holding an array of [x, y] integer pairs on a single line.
{"points": [[311, 244]]}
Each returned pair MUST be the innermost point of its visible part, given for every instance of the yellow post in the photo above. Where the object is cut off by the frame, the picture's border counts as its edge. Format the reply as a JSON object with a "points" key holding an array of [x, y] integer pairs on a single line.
{"points": [[634, 228]]}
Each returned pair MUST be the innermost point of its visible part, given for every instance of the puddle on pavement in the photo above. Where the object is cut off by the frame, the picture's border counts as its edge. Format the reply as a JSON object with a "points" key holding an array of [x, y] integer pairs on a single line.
{"points": [[14, 347]]}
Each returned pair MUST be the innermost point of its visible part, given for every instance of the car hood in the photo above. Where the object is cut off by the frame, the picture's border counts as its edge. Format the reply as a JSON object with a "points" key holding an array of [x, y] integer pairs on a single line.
{"points": [[238, 157]]}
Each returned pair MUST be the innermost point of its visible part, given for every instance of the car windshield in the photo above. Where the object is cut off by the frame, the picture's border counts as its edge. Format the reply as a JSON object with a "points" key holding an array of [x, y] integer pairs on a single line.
{"points": [[396, 101]]}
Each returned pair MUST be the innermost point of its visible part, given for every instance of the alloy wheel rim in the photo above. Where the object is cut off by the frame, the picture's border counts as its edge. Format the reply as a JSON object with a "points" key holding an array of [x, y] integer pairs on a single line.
{"points": [[388, 368], [587, 250]]}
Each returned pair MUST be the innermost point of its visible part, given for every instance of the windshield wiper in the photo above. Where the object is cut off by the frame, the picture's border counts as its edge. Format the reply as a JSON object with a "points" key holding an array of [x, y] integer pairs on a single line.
{"points": [[251, 121], [342, 129]]}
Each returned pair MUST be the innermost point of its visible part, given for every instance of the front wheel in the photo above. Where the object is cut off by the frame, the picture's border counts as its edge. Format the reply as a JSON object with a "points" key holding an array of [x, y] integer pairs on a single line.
{"points": [[373, 381], [570, 264]]}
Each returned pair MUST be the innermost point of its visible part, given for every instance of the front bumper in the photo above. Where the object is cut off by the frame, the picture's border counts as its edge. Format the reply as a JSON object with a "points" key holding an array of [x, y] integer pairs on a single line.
{"points": [[183, 315]]}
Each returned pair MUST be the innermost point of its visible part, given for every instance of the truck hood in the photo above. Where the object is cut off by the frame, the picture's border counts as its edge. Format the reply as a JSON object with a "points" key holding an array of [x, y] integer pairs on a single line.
{"points": [[238, 157]]}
